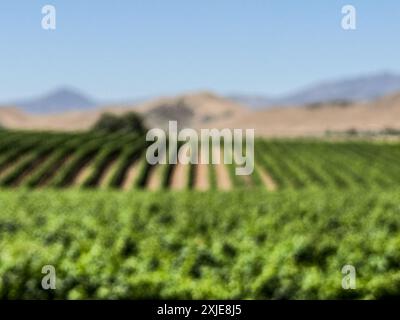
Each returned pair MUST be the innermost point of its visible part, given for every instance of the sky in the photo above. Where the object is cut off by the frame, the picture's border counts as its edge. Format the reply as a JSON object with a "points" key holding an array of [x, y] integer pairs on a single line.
{"points": [[124, 49]]}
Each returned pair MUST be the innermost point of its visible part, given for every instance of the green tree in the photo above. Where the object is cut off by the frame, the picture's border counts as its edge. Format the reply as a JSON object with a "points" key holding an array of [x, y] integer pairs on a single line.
{"points": [[128, 122]]}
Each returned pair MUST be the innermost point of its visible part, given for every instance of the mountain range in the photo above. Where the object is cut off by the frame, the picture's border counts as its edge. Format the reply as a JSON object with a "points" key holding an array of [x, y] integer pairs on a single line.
{"points": [[352, 89], [204, 110], [360, 88], [57, 101]]}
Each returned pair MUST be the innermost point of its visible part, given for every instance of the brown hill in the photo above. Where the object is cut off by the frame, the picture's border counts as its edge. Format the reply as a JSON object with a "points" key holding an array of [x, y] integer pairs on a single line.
{"points": [[317, 119], [196, 110], [191, 110], [11, 117], [206, 110]]}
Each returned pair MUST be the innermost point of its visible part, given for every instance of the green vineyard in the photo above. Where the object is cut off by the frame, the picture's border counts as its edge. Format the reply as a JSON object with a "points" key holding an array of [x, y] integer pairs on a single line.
{"points": [[115, 227], [199, 245], [96, 160]]}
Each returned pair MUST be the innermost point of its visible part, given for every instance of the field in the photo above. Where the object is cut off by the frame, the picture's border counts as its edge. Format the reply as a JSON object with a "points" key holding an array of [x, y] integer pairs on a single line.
{"points": [[95, 160], [115, 227], [288, 244]]}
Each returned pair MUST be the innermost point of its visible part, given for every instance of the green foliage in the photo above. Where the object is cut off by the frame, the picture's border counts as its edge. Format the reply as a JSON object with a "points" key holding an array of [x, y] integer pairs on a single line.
{"points": [[130, 122], [337, 203], [144, 169], [128, 156], [183, 245], [191, 176], [292, 164], [297, 164], [29, 162]]}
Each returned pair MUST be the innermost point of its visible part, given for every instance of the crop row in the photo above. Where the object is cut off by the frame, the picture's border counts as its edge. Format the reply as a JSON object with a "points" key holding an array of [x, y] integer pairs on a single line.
{"points": [[38, 159]]}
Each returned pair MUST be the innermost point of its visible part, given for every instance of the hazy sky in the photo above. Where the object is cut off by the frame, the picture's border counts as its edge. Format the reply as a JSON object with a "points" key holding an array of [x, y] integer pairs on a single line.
{"points": [[125, 48]]}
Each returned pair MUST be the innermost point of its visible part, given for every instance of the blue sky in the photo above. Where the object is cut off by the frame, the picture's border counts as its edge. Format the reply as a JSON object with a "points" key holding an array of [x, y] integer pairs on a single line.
{"points": [[125, 49]]}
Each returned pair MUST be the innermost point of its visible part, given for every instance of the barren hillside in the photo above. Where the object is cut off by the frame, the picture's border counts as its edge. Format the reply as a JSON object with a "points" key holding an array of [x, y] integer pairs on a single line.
{"points": [[206, 110], [191, 110], [317, 119]]}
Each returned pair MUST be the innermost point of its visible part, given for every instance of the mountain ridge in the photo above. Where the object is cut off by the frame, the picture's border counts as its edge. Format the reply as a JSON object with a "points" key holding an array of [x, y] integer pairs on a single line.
{"points": [[209, 111], [351, 89], [57, 101], [362, 88]]}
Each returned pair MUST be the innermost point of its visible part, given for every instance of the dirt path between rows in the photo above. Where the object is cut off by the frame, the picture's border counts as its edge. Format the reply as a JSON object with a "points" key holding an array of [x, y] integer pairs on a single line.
{"points": [[35, 164], [154, 178], [131, 175], [82, 174], [223, 180], [107, 174], [46, 179], [266, 179], [179, 177], [9, 167], [201, 176]]}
